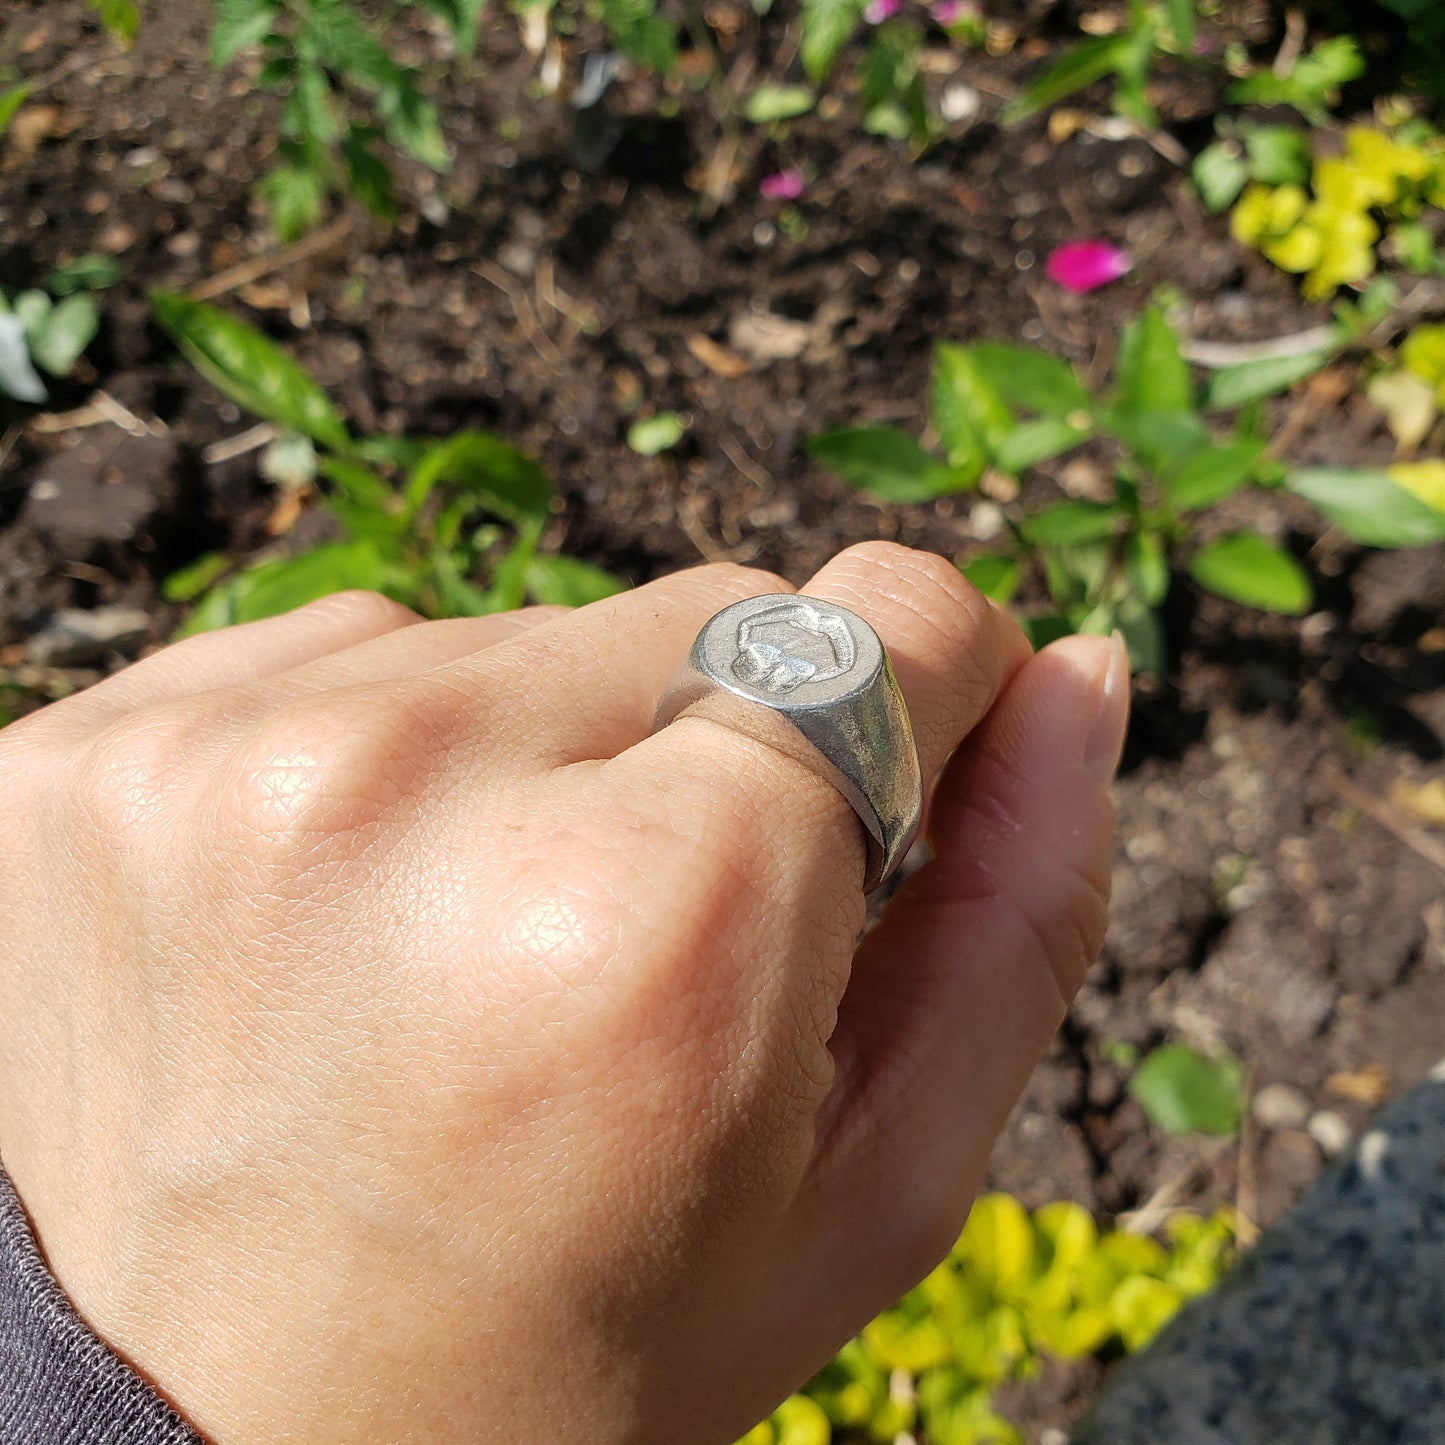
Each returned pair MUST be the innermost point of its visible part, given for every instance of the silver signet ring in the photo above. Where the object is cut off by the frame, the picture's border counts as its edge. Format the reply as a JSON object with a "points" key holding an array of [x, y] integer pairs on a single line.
{"points": [[811, 679]]}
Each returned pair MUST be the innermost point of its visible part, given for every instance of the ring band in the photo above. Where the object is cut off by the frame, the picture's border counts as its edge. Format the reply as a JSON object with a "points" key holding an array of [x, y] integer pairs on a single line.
{"points": [[813, 680]]}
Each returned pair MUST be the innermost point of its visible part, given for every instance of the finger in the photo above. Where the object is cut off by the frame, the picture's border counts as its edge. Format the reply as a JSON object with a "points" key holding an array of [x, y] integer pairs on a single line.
{"points": [[410, 650], [587, 685], [958, 990], [237, 655], [951, 649]]}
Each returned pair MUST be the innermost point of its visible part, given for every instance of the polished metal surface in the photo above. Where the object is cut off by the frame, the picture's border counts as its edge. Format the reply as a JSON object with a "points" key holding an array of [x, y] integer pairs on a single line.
{"points": [[812, 679]]}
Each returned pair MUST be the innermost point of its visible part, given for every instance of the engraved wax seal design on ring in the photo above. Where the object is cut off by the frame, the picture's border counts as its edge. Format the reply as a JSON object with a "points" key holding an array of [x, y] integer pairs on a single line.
{"points": [[790, 644]]}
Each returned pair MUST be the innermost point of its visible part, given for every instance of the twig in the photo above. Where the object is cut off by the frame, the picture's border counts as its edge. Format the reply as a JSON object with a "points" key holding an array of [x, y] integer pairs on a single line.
{"points": [[7, 442], [1158, 1207], [250, 440], [1430, 849], [1246, 1191], [746, 465], [245, 272], [1215, 354], [532, 329], [102, 407], [1292, 44]]}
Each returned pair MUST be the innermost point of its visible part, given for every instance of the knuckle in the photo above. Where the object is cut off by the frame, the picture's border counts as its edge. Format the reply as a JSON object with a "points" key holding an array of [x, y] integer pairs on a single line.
{"points": [[731, 579], [359, 610], [318, 768], [123, 778]]}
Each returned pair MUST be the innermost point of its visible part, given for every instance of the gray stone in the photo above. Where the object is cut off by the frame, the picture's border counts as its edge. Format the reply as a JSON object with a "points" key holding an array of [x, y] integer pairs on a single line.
{"points": [[73, 636], [1332, 1329]]}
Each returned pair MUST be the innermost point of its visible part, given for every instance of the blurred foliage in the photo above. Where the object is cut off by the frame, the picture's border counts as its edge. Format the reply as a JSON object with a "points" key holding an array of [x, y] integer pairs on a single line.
{"points": [[422, 520], [1015, 1288], [1385, 187], [1107, 562]]}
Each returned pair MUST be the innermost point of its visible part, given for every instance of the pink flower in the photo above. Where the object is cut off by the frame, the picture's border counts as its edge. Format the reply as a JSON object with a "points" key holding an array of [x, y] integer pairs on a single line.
{"points": [[877, 11], [782, 186], [1080, 266]]}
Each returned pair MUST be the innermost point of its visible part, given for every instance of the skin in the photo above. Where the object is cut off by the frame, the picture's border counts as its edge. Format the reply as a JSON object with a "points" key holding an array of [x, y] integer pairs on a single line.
{"points": [[401, 1044]]}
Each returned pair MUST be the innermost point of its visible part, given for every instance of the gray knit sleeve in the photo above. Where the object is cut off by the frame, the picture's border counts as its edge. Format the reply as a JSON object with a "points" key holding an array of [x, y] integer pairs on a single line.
{"points": [[59, 1383]]}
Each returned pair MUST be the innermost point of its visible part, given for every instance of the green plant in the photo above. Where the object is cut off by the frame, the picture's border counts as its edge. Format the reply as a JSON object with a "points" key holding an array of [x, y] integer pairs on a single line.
{"points": [[1272, 155], [468, 505], [1160, 28], [1326, 226], [1014, 1288], [1186, 1092], [1107, 561], [50, 328], [1311, 84], [344, 98]]}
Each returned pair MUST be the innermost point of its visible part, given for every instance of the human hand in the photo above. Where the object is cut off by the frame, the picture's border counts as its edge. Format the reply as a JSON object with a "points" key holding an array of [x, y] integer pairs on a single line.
{"points": [[402, 1045]]}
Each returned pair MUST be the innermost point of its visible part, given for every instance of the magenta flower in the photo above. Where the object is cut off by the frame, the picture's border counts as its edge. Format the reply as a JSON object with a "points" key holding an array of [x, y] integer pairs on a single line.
{"points": [[782, 186], [1080, 266], [877, 11]]}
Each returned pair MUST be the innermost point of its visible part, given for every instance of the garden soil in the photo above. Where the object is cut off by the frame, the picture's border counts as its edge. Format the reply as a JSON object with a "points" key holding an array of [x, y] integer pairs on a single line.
{"points": [[1275, 893]]}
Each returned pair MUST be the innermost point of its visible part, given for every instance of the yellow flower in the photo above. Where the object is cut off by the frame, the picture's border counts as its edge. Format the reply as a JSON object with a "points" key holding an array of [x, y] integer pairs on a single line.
{"points": [[1299, 250], [1348, 253], [1383, 166], [1425, 480], [1343, 186], [1267, 211]]}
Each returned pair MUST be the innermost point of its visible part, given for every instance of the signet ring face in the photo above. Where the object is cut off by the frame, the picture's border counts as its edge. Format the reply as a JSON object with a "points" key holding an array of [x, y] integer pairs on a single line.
{"points": [[812, 679]]}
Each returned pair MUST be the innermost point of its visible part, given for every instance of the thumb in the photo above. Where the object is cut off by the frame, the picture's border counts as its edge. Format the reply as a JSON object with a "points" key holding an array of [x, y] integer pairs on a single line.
{"points": [[957, 991]]}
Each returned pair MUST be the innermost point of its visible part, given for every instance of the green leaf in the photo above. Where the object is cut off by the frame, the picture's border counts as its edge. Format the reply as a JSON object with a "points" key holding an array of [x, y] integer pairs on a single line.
{"points": [[120, 17], [85, 273], [769, 103], [1279, 155], [1143, 635], [250, 368], [412, 125], [1183, 20], [638, 31], [1150, 369], [10, 101], [1067, 524], [1162, 439], [1369, 507], [240, 23], [367, 174], [507, 481], [1141, 1307], [1245, 568], [656, 434], [1312, 84], [1219, 173], [569, 582], [1029, 379], [827, 26], [1032, 442], [886, 463], [1213, 475], [1045, 628], [279, 584], [1184, 1092], [997, 1242], [1234, 386], [310, 112], [1147, 566], [799, 1421], [293, 198], [187, 583], [1075, 69], [994, 575], [970, 415], [67, 329], [361, 501]]}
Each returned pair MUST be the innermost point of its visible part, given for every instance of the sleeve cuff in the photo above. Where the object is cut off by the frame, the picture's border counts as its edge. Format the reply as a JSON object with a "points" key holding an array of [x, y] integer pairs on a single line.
{"points": [[60, 1384]]}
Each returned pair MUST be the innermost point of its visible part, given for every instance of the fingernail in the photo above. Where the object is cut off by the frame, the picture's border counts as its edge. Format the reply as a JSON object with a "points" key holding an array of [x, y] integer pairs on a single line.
{"points": [[1105, 742]]}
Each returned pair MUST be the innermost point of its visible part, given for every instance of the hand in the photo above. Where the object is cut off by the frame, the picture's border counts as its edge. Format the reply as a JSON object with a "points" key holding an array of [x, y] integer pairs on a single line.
{"points": [[402, 1045]]}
